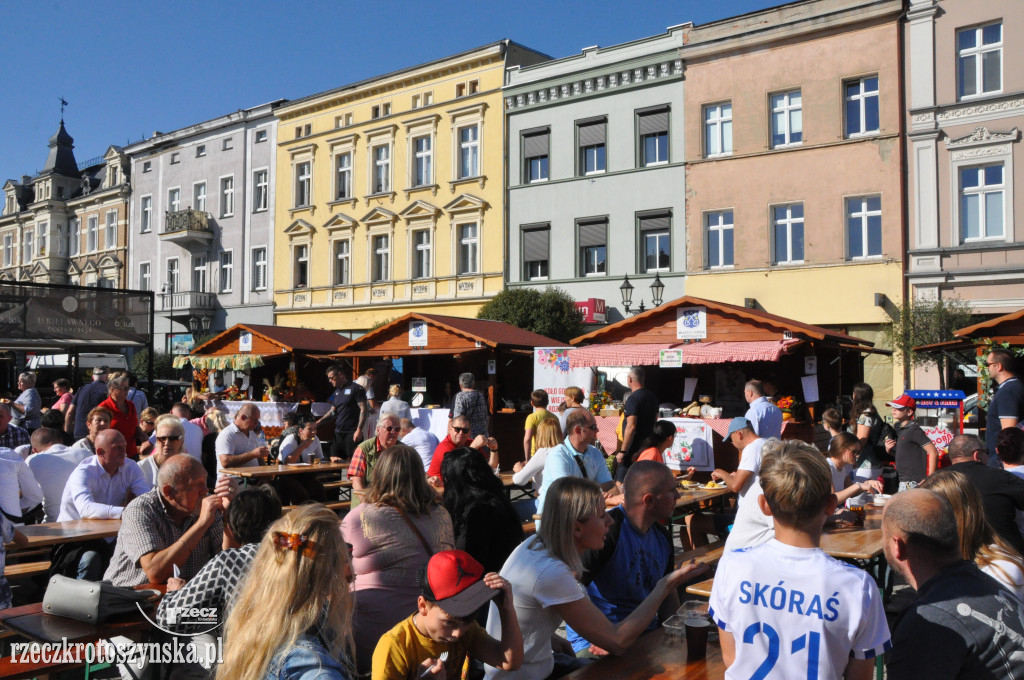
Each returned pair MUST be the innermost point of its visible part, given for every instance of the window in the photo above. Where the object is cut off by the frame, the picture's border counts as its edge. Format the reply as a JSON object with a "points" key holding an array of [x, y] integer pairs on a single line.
{"points": [[653, 129], [425, 99], [110, 238], [226, 268], [380, 111], [787, 119], [199, 273], [788, 234], [343, 174], [469, 249], [92, 234], [718, 129], [381, 169], [864, 226], [861, 106], [147, 214], [593, 240], [343, 120], [424, 156], [199, 196], [229, 144], [421, 254], [262, 191], [460, 90], [60, 190], [261, 136], [174, 200], [227, 196], [303, 179], [590, 144], [172, 274], [27, 247], [175, 158], [75, 235], [535, 155], [41, 229], [981, 202], [655, 243], [147, 166], [416, 101], [145, 276], [719, 238], [60, 239], [303, 130], [259, 268], [300, 266], [200, 151], [381, 258], [979, 60], [8, 250], [342, 262], [469, 151]]}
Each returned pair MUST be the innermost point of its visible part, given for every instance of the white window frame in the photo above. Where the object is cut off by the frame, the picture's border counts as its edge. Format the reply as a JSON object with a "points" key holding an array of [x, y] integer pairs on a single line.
{"points": [[199, 197], [857, 208], [718, 127], [342, 249], [423, 162], [228, 144], [469, 263], [226, 278], [862, 98], [8, 250], [200, 150], [977, 53], [343, 175], [422, 253], [380, 168], [227, 195], [719, 222], [199, 273], [174, 199], [92, 235], [303, 185], [789, 221], [470, 147], [146, 211], [27, 245], [146, 275], [261, 190], [300, 260], [110, 230], [41, 229], [786, 107], [983, 190], [658, 235], [259, 268], [261, 136], [380, 258], [147, 166], [172, 274], [75, 237]]}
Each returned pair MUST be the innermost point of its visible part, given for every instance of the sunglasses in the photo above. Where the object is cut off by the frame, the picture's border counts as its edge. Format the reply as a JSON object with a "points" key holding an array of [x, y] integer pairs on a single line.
{"points": [[390, 429], [169, 438], [147, 422], [461, 430], [590, 427]]}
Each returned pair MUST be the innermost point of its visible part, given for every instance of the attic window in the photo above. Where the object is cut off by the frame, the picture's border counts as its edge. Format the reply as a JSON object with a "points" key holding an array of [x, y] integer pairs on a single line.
{"points": [[60, 192], [147, 166]]}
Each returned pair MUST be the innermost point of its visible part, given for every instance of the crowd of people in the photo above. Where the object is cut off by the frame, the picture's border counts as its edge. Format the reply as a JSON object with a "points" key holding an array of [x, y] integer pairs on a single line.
{"points": [[430, 573]]}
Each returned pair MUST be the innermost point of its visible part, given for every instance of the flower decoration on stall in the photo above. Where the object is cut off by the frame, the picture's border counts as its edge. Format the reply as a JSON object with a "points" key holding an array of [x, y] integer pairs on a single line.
{"points": [[598, 401], [786, 404], [282, 389], [557, 359], [202, 376]]}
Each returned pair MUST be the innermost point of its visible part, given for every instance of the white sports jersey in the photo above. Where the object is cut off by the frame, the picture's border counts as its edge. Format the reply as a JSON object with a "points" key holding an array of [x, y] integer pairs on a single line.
{"points": [[796, 613]]}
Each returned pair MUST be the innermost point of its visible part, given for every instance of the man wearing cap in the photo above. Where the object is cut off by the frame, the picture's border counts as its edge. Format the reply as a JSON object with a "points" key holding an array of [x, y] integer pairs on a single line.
{"points": [[916, 456], [442, 633], [751, 526], [85, 400]]}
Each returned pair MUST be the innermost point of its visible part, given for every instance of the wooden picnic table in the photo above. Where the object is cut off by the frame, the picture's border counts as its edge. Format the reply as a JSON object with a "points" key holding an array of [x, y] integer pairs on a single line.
{"points": [[272, 471], [856, 542], [655, 656], [54, 533], [699, 494]]}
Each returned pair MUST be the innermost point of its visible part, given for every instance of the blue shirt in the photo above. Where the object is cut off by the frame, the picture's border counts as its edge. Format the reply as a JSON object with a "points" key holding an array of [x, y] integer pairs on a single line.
{"points": [[766, 418], [561, 462]]}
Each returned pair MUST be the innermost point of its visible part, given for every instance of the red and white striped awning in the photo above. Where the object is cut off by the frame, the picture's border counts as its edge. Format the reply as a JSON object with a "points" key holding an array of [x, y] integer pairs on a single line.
{"points": [[693, 353]]}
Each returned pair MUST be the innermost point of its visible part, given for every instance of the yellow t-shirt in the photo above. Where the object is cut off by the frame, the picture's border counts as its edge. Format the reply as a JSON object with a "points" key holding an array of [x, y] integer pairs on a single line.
{"points": [[403, 648], [532, 421]]}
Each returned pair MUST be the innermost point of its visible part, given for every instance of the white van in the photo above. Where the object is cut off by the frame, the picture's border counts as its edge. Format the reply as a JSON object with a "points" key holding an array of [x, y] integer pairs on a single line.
{"points": [[49, 367]]}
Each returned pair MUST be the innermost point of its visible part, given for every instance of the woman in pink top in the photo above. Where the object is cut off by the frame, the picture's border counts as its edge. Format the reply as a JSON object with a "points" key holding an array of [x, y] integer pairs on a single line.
{"points": [[393, 533], [657, 442], [62, 386]]}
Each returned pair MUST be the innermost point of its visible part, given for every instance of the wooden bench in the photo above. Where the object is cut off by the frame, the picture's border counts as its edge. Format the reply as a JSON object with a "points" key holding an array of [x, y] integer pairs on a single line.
{"points": [[707, 554], [330, 505], [26, 569], [335, 485], [702, 588]]}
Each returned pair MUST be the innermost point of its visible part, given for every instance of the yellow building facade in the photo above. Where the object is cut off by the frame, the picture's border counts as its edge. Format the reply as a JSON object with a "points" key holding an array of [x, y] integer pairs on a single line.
{"points": [[390, 194]]}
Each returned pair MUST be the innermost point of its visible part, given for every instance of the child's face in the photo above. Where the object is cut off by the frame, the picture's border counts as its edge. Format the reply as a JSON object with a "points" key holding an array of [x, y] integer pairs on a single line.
{"points": [[438, 624], [850, 454]]}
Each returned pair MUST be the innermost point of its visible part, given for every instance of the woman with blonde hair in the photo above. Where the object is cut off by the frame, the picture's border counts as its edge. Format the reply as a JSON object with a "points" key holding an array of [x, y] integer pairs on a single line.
{"points": [[549, 434], [395, 530], [395, 405], [979, 543], [292, 617], [545, 572]]}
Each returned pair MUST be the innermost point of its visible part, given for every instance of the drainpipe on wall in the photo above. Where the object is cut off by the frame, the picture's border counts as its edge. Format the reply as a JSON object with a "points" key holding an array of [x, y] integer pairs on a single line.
{"points": [[904, 176]]}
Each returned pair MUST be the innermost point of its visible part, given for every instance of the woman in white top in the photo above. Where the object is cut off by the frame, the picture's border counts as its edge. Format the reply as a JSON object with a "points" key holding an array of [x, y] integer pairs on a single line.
{"points": [[395, 405], [544, 572], [842, 454], [549, 435], [978, 541]]}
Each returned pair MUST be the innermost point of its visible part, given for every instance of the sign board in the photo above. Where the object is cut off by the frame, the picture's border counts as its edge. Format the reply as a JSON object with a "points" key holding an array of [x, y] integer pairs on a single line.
{"points": [[182, 343], [419, 384], [593, 310], [492, 366], [810, 387], [692, 445], [691, 323], [670, 358], [940, 435], [552, 374], [244, 341], [937, 398], [810, 365], [417, 334]]}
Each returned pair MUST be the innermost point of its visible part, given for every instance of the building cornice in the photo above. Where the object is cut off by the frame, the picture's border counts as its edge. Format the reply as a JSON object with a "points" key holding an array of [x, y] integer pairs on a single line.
{"points": [[975, 111]]}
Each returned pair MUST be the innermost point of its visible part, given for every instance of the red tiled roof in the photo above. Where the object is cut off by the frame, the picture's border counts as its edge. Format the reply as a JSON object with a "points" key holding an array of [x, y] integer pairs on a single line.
{"points": [[488, 332], [292, 339]]}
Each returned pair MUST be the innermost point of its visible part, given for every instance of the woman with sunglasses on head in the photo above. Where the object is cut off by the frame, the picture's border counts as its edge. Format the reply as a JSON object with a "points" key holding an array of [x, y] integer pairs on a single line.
{"points": [[293, 616], [170, 436], [147, 423], [393, 533]]}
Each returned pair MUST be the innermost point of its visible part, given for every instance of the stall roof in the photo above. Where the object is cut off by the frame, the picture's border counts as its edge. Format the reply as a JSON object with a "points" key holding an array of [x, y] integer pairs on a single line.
{"points": [[1005, 328], [648, 354], [271, 340], [444, 335], [725, 324]]}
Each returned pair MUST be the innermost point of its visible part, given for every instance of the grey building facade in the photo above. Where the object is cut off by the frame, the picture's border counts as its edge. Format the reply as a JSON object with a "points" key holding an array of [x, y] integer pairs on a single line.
{"points": [[202, 223], [596, 173]]}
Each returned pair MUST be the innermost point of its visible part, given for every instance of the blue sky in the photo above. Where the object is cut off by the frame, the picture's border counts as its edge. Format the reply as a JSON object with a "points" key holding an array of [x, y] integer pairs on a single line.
{"points": [[129, 68]]}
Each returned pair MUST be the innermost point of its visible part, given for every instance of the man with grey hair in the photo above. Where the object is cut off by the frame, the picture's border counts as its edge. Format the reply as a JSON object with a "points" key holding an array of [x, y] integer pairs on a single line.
{"points": [[237, 444], [1002, 492], [364, 458], [472, 404], [174, 525], [765, 416], [963, 623], [26, 408]]}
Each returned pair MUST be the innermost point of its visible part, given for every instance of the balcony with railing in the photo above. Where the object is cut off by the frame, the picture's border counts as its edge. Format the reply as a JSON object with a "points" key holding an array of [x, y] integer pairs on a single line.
{"points": [[187, 228], [186, 302]]}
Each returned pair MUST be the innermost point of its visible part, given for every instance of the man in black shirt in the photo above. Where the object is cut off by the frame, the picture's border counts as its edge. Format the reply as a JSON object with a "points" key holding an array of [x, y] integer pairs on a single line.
{"points": [[641, 410], [1002, 492], [85, 400], [348, 407], [1006, 408], [916, 455]]}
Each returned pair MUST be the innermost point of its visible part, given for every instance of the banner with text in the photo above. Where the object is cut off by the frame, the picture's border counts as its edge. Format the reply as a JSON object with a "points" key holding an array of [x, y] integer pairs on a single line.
{"points": [[552, 374]]}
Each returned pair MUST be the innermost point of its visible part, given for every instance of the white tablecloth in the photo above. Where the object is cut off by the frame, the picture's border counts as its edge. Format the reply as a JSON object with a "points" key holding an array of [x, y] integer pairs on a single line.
{"points": [[431, 419], [271, 412]]}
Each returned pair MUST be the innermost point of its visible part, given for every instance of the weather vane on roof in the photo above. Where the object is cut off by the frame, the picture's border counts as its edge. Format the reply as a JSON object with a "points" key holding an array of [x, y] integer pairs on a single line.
{"points": [[63, 103]]}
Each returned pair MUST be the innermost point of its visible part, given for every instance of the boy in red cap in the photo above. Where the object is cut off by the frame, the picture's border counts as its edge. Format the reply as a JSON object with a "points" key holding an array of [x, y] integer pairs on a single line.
{"points": [[916, 456], [435, 641]]}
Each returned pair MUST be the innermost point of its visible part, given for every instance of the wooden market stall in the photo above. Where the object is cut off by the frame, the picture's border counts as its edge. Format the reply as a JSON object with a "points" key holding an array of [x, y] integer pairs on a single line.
{"points": [[434, 349], [722, 346]]}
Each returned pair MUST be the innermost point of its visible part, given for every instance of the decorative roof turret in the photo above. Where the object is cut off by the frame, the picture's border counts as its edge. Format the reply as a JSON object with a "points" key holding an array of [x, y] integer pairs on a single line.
{"points": [[61, 159]]}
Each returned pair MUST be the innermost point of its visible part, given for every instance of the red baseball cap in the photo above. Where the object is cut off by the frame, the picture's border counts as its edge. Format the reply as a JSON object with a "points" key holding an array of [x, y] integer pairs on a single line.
{"points": [[456, 580], [905, 401]]}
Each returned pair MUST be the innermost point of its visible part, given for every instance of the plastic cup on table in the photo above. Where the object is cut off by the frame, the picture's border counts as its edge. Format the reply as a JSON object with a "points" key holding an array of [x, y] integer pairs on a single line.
{"points": [[697, 630]]}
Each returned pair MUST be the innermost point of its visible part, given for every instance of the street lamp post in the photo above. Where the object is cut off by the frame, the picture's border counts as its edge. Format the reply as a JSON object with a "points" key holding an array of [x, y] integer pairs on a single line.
{"points": [[626, 291]]}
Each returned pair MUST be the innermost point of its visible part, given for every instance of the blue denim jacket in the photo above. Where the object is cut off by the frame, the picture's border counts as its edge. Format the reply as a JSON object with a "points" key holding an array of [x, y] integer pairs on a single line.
{"points": [[307, 660]]}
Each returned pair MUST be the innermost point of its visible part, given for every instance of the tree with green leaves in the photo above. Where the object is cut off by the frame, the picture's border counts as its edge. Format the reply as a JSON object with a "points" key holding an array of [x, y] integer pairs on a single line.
{"points": [[162, 365], [552, 312], [926, 322]]}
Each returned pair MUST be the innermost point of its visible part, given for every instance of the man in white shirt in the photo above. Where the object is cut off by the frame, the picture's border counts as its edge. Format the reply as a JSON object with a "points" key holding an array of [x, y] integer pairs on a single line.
{"points": [[422, 440], [237, 444], [764, 416], [51, 464], [135, 395], [21, 499], [751, 526], [99, 488], [169, 436], [578, 457]]}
